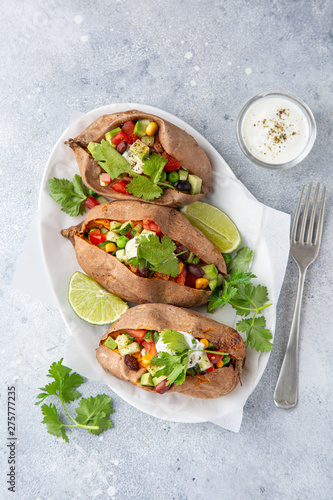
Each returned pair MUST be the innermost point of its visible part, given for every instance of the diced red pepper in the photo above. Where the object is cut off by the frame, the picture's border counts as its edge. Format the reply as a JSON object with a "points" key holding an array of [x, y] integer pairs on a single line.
{"points": [[128, 128], [96, 237], [150, 347], [120, 187], [190, 280], [214, 358], [154, 227], [146, 224], [90, 202], [181, 278], [105, 177], [138, 334], [211, 369], [132, 138], [116, 139], [172, 164]]}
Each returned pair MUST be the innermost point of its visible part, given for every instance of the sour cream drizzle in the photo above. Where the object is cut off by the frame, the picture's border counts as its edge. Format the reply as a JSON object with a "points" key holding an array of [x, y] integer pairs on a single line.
{"points": [[275, 130], [198, 346]]}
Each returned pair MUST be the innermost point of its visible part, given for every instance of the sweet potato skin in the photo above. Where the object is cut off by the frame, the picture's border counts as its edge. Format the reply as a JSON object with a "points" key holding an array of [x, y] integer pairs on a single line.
{"points": [[118, 279], [157, 317], [174, 140]]}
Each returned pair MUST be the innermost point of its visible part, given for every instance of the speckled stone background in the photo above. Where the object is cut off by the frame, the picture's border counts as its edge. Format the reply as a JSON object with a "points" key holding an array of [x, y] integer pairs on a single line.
{"points": [[201, 61]]}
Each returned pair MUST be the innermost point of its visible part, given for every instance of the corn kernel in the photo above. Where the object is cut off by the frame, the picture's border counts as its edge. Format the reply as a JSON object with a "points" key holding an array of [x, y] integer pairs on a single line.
{"points": [[152, 128], [110, 247], [204, 342], [219, 364], [201, 283]]}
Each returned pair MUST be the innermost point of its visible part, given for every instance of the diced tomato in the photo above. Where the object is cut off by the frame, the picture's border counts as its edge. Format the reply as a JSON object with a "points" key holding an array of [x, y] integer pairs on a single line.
{"points": [[181, 278], [146, 224], [128, 127], [116, 139], [154, 227], [90, 202], [150, 347], [214, 358], [138, 334], [190, 280], [211, 369], [172, 164], [96, 237], [132, 138], [105, 177], [120, 187]]}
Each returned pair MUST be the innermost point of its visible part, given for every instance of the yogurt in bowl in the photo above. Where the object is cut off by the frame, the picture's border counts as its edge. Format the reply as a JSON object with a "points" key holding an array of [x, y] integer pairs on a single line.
{"points": [[276, 130]]}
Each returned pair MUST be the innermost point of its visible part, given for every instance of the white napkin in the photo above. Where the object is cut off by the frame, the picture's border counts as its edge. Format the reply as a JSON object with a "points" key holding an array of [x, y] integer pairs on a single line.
{"points": [[264, 229]]}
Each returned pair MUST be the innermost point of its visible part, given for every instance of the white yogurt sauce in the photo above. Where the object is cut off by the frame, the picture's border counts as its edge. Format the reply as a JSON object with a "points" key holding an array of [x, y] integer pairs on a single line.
{"points": [[131, 248], [275, 130], [198, 347]]}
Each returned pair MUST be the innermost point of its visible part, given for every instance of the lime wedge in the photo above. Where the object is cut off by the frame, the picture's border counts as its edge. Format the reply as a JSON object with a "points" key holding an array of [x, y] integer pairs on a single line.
{"points": [[215, 224], [92, 303]]}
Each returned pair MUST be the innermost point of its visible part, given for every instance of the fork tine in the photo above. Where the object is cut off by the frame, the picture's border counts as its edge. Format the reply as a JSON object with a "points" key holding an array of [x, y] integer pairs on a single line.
{"points": [[305, 214], [321, 219], [313, 215], [296, 217]]}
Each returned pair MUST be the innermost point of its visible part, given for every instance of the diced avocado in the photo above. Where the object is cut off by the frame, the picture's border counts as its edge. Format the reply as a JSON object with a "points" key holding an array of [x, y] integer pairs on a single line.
{"points": [[212, 284], [110, 343], [183, 174], [104, 230], [210, 271], [112, 236], [220, 279], [153, 369], [115, 225], [136, 230], [196, 183], [124, 228], [148, 140], [121, 255], [111, 133], [91, 147], [140, 127], [147, 379], [101, 200], [130, 349], [157, 380], [204, 363], [139, 149], [190, 258], [122, 341]]}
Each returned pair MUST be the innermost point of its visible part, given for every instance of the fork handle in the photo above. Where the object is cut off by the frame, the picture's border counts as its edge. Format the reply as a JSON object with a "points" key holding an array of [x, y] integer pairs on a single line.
{"points": [[285, 394]]}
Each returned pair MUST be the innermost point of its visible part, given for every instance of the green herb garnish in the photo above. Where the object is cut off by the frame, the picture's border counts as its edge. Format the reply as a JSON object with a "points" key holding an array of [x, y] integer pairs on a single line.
{"points": [[70, 195], [157, 255], [92, 414]]}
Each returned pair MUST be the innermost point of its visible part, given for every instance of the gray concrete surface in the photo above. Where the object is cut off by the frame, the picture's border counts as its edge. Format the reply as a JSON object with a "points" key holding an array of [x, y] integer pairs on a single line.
{"points": [[200, 61]]}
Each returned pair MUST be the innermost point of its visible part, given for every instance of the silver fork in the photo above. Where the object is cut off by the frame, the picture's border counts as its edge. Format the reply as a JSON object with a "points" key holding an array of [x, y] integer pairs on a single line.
{"points": [[304, 251]]}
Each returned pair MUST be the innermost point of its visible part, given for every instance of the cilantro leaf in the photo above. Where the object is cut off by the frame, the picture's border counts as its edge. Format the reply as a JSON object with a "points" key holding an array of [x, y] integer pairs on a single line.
{"points": [[248, 298], [52, 421], [95, 411], [70, 195], [174, 340], [153, 166], [145, 188], [241, 261], [110, 160], [158, 254], [229, 290], [257, 336], [172, 365], [92, 414]]}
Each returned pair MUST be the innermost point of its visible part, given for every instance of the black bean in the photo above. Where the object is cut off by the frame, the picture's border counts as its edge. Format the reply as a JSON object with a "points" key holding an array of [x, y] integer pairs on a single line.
{"points": [[195, 270], [144, 273], [184, 255], [131, 362], [121, 148], [183, 186]]}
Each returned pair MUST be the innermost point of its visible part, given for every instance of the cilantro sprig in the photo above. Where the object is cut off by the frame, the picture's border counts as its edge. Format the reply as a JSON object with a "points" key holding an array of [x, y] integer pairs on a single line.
{"points": [[174, 366], [92, 414], [246, 298], [71, 195], [157, 255], [147, 186]]}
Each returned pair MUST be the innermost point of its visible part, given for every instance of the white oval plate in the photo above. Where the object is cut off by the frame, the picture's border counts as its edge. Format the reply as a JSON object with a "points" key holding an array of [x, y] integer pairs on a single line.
{"points": [[254, 221]]}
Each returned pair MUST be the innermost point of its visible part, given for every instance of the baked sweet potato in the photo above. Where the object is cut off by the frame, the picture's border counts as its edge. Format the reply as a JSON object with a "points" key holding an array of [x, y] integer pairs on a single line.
{"points": [[118, 278], [174, 141], [157, 317]]}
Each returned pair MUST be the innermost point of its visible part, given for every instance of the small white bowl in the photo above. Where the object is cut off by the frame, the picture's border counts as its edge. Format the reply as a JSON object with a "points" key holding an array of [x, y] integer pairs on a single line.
{"points": [[303, 148]]}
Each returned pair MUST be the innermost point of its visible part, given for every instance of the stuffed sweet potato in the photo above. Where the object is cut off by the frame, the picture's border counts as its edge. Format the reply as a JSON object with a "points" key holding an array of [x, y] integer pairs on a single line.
{"points": [[163, 348], [134, 155], [147, 253]]}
